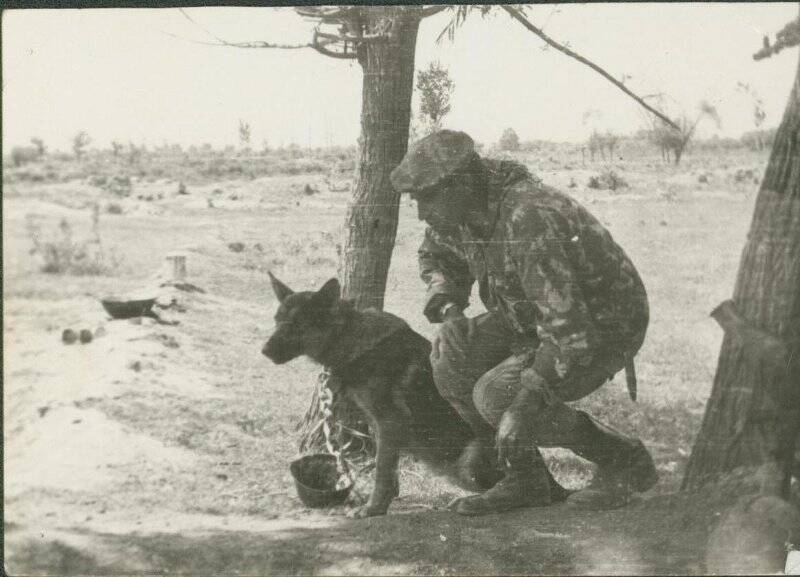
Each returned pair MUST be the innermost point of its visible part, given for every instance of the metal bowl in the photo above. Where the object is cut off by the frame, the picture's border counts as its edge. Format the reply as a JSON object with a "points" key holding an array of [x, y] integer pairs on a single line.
{"points": [[127, 309], [316, 477]]}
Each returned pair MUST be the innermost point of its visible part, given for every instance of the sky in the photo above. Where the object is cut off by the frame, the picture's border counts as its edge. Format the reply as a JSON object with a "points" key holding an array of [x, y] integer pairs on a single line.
{"points": [[135, 74]]}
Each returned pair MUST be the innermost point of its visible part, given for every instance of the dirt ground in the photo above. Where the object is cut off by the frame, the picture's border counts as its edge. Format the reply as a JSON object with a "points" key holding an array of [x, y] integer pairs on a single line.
{"points": [[164, 448]]}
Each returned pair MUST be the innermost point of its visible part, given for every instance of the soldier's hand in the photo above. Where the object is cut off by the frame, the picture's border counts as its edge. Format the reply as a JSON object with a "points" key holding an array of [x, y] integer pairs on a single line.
{"points": [[455, 331]]}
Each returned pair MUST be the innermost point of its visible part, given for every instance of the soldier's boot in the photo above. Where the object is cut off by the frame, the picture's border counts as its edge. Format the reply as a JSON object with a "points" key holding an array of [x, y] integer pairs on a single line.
{"points": [[527, 483], [624, 467]]}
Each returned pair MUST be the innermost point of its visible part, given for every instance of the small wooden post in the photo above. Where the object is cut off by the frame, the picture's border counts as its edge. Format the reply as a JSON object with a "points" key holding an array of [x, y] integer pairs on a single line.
{"points": [[177, 262]]}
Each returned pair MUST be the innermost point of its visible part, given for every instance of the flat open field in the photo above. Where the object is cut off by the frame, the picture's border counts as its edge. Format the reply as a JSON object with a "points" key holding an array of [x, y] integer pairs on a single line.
{"points": [[165, 448]]}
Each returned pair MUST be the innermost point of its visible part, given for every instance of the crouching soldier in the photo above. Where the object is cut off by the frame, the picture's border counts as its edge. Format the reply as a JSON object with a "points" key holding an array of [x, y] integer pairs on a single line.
{"points": [[566, 312]]}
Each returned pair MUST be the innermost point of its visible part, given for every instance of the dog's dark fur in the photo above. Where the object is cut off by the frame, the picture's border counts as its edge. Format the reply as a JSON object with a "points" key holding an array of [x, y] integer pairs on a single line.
{"points": [[384, 366]]}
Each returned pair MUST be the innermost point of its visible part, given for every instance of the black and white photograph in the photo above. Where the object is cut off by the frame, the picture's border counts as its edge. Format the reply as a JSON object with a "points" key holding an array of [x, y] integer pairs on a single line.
{"points": [[389, 289]]}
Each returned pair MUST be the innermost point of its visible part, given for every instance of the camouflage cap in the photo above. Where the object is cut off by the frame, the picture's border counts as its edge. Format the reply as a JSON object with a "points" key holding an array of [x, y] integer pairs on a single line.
{"points": [[431, 160]]}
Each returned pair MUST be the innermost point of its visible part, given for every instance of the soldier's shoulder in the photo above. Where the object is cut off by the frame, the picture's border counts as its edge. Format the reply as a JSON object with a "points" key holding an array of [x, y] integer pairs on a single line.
{"points": [[534, 194]]}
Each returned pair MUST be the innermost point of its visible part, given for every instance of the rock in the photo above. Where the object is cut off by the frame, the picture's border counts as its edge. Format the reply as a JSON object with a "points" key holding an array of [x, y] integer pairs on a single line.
{"points": [[69, 336], [236, 246], [182, 188], [169, 341], [99, 332], [135, 366], [86, 336]]}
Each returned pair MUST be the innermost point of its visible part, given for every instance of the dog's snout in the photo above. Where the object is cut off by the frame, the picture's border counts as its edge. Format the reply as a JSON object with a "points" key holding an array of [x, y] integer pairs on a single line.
{"points": [[278, 350]]}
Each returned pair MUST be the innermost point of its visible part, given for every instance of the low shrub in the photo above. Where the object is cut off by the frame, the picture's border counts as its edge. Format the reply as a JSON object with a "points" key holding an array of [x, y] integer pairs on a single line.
{"points": [[61, 253], [607, 180], [119, 185], [98, 180]]}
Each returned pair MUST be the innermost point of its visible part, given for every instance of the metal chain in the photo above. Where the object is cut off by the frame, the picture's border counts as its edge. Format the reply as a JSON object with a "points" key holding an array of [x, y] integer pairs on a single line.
{"points": [[326, 408]]}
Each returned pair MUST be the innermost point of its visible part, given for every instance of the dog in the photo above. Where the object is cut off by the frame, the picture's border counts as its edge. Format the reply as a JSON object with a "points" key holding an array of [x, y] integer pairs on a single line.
{"points": [[383, 366]]}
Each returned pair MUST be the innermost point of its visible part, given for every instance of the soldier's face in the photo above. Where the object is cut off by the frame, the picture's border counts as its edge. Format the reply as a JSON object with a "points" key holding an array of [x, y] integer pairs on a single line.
{"points": [[445, 207], [439, 210]]}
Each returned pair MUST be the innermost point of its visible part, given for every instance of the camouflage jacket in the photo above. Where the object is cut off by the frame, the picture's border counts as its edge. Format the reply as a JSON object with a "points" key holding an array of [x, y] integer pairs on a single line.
{"points": [[549, 268]]}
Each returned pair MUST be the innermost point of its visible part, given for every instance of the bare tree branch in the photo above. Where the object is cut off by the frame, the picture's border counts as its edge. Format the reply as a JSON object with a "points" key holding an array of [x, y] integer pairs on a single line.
{"points": [[787, 37], [561, 48], [344, 54], [254, 44]]}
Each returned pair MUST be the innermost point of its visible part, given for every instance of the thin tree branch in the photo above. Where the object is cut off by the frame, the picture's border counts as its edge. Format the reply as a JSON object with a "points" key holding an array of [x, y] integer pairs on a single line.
{"points": [[254, 44], [561, 48]]}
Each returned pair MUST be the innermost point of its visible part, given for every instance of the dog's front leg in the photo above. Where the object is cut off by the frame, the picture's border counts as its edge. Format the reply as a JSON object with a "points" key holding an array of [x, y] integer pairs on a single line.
{"points": [[387, 485], [387, 424]]}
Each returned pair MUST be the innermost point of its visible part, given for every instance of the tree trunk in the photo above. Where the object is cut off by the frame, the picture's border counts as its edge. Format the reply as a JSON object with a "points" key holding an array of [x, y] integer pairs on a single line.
{"points": [[371, 223], [753, 415]]}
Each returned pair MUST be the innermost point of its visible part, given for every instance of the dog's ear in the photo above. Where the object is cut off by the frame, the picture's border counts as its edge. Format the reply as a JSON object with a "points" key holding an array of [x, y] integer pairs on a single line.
{"points": [[281, 290], [329, 294]]}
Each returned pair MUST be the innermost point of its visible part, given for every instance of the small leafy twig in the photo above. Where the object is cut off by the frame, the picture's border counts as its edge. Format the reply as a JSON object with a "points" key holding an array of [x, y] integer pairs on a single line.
{"points": [[787, 37]]}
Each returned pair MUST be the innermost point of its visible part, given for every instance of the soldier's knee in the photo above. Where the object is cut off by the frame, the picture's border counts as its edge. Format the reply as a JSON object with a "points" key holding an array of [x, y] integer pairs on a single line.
{"points": [[494, 392]]}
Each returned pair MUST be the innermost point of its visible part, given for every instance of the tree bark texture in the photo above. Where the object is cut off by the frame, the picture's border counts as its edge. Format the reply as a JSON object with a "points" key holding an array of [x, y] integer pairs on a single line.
{"points": [[753, 415], [371, 223]]}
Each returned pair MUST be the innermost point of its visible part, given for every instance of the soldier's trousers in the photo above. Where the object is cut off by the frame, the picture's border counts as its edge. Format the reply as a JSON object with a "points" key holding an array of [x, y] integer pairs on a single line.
{"points": [[481, 375]]}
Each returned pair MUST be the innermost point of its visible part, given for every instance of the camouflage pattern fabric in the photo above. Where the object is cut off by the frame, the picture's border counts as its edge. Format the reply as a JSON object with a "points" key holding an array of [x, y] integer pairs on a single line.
{"points": [[549, 268]]}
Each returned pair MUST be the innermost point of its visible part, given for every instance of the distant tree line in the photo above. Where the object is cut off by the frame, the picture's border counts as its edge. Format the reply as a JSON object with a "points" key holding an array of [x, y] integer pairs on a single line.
{"points": [[602, 145]]}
